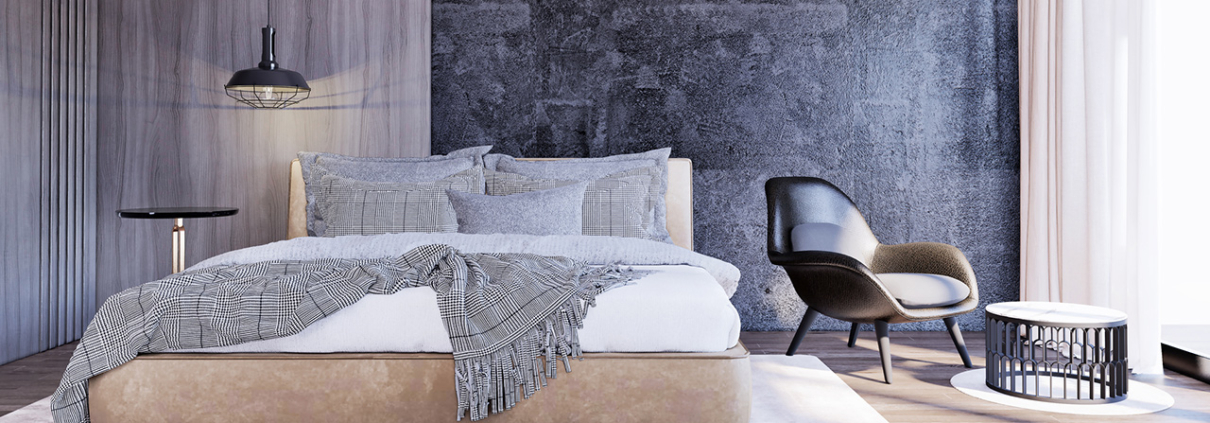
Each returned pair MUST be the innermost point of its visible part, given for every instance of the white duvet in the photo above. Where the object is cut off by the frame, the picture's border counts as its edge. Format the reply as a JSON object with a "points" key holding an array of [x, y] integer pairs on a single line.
{"points": [[681, 304]]}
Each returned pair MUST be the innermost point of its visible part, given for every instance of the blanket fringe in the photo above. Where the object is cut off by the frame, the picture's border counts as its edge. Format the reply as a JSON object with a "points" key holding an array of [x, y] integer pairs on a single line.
{"points": [[490, 383]]}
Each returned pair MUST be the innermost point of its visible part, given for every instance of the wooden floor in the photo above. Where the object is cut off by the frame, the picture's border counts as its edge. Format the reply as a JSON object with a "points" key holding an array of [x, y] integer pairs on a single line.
{"points": [[25, 381], [924, 363]]}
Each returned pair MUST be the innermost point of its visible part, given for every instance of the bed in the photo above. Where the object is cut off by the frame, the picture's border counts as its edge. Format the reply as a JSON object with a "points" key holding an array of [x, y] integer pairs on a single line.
{"points": [[615, 386]]}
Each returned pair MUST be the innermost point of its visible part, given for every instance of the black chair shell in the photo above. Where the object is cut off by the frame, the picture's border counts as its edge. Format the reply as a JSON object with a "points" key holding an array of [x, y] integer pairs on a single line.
{"points": [[843, 287]]}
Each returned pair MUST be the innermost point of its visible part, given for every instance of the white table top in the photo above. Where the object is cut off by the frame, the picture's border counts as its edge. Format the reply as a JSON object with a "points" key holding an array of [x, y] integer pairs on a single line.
{"points": [[1057, 313]]}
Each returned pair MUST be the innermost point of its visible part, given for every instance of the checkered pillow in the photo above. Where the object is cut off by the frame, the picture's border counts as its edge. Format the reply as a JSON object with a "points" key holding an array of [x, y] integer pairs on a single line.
{"points": [[379, 169], [621, 204], [352, 207], [593, 168]]}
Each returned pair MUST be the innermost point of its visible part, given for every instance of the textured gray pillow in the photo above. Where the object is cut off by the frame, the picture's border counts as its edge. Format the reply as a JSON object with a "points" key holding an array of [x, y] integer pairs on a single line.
{"points": [[379, 169], [616, 205], [555, 211], [584, 169], [352, 207]]}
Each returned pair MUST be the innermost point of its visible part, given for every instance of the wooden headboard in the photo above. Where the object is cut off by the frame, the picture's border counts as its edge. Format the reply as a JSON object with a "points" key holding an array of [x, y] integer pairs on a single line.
{"points": [[679, 199]]}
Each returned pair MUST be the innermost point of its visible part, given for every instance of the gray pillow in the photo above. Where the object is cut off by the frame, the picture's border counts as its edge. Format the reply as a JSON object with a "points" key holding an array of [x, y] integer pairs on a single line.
{"points": [[352, 207], [392, 171], [616, 205], [585, 169], [556, 211], [379, 169]]}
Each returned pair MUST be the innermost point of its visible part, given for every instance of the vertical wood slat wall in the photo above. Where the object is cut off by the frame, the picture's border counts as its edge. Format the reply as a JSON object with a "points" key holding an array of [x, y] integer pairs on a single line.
{"points": [[50, 113], [169, 136], [68, 180]]}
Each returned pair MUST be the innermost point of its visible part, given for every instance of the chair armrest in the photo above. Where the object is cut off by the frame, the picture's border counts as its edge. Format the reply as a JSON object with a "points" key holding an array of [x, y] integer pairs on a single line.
{"points": [[837, 285], [926, 257], [820, 258]]}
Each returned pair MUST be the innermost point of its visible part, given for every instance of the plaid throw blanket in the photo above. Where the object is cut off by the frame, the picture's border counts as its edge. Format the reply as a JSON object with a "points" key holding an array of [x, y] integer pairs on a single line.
{"points": [[506, 314]]}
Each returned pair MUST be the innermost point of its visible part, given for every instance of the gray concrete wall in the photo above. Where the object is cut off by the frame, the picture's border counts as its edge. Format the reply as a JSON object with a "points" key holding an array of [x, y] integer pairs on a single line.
{"points": [[909, 106]]}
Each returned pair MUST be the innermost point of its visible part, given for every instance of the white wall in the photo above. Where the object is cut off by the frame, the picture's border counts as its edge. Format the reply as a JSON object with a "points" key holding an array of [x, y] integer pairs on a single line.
{"points": [[1184, 131]]}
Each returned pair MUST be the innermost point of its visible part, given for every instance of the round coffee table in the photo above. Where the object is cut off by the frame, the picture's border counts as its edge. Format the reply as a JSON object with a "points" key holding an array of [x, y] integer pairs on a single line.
{"points": [[1057, 352]]}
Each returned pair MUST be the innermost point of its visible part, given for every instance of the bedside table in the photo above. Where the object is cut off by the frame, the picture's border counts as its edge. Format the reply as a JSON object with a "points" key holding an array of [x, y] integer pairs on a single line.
{"points": [[178, 228]]}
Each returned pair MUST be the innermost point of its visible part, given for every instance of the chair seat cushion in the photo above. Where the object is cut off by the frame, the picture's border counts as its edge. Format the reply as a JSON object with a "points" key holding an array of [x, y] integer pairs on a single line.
{"points": [[923, 290]]}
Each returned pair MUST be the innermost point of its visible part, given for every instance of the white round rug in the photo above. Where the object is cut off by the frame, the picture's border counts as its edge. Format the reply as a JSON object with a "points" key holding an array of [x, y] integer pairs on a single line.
{"points": [[1140, 399]]}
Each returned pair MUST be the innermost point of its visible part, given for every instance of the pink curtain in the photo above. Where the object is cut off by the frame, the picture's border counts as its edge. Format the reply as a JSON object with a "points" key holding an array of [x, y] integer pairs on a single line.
{"points": [[1089, 161]]}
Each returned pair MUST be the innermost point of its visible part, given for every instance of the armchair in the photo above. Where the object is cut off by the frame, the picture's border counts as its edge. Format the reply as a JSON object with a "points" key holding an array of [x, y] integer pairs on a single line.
{"points": [[840, 270]]}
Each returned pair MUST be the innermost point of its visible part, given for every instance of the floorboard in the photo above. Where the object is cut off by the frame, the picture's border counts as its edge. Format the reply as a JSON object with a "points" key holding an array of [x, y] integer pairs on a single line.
{"points": [[25, 381], [924, 363]]}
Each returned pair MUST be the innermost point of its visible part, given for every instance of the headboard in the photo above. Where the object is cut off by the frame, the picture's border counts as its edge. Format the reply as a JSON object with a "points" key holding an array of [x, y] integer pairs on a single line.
{"points": [[679, 199]]}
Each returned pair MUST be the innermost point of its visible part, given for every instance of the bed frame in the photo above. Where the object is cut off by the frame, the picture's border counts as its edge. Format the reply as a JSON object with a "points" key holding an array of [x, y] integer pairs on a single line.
{"points": [[419, 387]]}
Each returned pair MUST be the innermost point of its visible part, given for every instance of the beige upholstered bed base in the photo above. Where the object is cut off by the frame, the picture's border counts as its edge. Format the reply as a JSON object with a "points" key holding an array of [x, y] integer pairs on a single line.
{"points": [[604, 387], [414, 387], [679, 199]]}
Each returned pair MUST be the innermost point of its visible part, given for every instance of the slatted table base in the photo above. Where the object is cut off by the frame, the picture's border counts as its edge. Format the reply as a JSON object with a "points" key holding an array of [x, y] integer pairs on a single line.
{"points": [[1081, 364]]}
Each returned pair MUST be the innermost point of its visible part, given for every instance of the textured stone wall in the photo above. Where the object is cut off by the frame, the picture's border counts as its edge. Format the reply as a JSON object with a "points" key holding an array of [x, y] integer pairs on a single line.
{"points": [[909, 106]]}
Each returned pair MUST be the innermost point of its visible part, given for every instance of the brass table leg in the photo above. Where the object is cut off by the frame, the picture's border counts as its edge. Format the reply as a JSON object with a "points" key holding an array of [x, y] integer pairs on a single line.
{"points": [[178, 245]]}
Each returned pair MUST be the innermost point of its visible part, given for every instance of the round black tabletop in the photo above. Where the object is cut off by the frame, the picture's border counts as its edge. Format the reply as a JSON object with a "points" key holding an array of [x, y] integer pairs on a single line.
{"points": [[177, 212]]}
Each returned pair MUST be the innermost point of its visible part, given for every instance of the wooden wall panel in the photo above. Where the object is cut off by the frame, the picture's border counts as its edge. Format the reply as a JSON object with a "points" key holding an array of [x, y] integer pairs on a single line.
{"points": [[68, 159], [20, 70], [47, 233], [168, 136]]}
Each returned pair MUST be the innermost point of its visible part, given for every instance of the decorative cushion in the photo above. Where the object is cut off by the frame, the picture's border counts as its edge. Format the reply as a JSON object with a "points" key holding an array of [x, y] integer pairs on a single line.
{"points": [[352, 207], [854, 240], [924, 290], [379, 169], [587, 169], [615, 205], [555, 211]]}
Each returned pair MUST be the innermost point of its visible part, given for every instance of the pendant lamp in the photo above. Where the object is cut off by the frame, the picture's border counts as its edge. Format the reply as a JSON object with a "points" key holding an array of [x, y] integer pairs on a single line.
{"points": [[268, 86]]}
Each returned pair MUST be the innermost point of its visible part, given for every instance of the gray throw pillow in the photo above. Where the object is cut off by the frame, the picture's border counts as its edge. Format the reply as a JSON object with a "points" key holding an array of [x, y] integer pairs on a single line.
{"points": [[616, 205], [556, 211], [352, 207], [379, 169], [585, 169]]}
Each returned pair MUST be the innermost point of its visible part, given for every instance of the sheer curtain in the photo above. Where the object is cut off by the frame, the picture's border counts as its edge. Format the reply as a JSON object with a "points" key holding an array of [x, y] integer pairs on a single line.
{"points": [[1089, 164]]}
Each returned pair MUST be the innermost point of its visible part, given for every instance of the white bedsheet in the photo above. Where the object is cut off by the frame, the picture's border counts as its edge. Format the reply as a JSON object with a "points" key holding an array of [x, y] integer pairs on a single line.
{"points": [[675, 308]]}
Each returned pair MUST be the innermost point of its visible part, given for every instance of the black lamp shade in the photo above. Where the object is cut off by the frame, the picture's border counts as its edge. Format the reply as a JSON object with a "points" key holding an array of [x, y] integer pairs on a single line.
{"points": [[260, 77], [268, 86]]}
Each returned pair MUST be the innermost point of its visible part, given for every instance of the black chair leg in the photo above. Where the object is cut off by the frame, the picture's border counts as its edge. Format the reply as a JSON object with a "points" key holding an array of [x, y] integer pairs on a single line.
{"points": [[956, 335], [803, 328], [884, 348], [853, 335]]}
